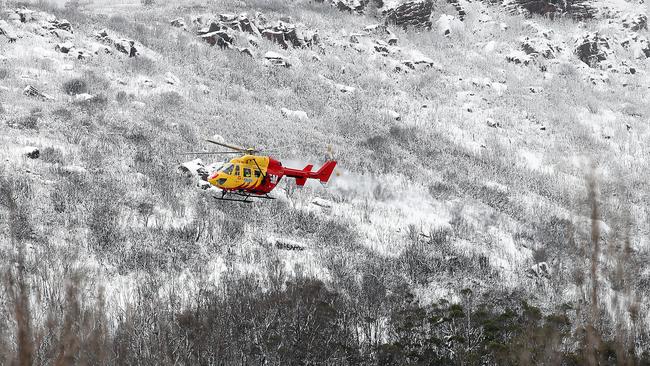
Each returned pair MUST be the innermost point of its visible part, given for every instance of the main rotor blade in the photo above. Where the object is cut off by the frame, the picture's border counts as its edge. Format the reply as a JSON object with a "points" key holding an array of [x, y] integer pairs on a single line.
{"points": [[240, 149], [209, 152]]}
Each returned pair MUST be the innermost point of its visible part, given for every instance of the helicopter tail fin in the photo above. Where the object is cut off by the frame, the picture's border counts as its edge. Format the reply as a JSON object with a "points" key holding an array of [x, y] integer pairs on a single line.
{"points": [[302, 180], [324, 173]]}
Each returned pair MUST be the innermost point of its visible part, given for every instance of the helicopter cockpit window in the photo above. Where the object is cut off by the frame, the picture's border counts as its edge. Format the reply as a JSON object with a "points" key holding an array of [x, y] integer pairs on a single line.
{"points": [[247, 172], [227, 169], [236, 170]]}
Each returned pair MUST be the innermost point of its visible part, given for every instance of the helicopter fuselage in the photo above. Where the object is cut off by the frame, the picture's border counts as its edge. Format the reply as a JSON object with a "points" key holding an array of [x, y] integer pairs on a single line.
{"points": [[259, 175]]}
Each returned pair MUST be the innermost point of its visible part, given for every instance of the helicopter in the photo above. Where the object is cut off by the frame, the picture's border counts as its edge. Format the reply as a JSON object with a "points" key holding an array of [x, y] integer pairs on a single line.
{"points": [[254, 176]]}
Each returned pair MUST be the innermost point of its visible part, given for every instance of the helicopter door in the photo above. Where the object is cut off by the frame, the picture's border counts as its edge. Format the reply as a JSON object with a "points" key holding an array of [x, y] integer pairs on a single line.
{"points": [[237, 175]]}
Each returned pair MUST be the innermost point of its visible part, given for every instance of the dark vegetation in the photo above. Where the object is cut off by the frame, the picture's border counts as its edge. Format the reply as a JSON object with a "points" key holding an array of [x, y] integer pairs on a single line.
{"points": [[366, 315]]}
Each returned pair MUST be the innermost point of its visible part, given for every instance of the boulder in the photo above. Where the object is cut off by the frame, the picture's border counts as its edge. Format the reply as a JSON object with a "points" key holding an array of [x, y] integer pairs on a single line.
{"points": [[246, 25], [391, 114], [64, 47], [419, 61], [518, 57], [349, 5], [219, 38], [79, 53], [178, 23], [284, 34], [448, 23], [83, 97], [286, 244], [31, 91], [340, 87], [320, 202], [201, 20], [62, 34], [276, 59], [288, 113], [414, 13], [31, 152], [125, 46], [539, 47], [25, 15], [62, 24], [8, 31], [592, 48], [492, 123], [98, 48], [276, 37], [172, 79]]}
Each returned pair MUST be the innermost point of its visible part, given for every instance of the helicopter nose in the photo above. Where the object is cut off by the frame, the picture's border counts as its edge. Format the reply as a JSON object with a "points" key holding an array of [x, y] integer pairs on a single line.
{"points": [[217, 179], [213, 178]]}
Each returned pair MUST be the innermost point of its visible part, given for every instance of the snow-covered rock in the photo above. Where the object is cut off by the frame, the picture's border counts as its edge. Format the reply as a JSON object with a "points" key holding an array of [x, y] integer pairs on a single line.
{"points": [[302, 115], [448, 23]]}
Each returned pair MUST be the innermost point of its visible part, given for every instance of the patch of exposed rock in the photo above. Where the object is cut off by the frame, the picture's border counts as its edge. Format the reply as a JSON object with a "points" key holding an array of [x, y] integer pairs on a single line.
{"points": [[224, 30], [126, 46], [276, 59], [578, 9], [639, 45], [537, 46], [415, 14], [593, 48]]}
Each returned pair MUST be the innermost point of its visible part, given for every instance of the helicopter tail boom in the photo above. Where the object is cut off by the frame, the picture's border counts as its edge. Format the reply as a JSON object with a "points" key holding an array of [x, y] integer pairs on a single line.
{"points": [[323, 174], [302, 180]]}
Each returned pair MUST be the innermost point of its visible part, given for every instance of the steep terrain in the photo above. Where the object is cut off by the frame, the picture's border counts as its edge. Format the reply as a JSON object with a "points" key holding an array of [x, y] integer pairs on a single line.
{"points": [[492, 155]]}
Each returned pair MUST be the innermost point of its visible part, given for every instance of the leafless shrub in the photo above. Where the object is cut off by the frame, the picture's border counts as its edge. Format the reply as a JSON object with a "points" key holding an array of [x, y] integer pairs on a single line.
{"points": [[75, 86]]}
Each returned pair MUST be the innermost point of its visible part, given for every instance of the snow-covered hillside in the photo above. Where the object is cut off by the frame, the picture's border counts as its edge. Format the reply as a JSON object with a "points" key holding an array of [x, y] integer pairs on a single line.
{"points": [[492, 166]]}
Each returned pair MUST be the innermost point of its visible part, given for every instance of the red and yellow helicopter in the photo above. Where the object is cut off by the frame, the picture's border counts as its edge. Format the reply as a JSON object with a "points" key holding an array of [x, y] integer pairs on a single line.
{"points": [[255, 176]]}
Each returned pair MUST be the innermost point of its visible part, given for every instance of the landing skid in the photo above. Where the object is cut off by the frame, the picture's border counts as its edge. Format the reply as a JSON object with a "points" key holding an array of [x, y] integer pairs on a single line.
{"points": [[246, 196]]}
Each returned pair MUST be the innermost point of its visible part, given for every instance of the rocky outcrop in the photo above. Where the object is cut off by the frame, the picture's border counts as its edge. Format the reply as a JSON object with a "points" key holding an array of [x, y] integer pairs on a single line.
{"points": [[639, 45], [539, 47], [284, 35], [459, 8], [576, 9], [45, 20], [415, 14], [126, 46], [635, 22], [215, 35], [358, 6], [224, 31], [592, 48]]}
